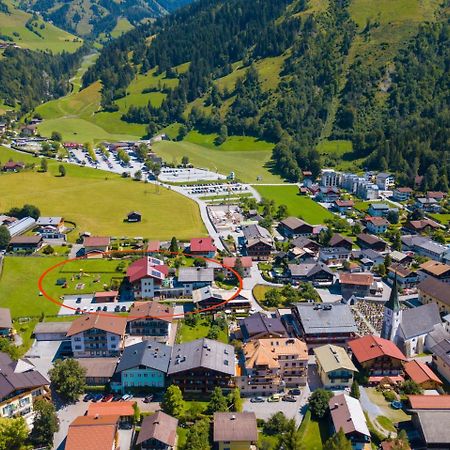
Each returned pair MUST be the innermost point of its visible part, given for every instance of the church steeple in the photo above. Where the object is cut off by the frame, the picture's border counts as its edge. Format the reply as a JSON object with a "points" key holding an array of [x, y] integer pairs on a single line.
{"points": [[392, 315], [393, 304]]}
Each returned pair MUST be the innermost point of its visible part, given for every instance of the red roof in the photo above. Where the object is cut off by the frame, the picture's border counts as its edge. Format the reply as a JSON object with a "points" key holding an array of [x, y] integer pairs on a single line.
{"points": [[344, 203], [92, 433], [231, 261], [96, 241], [420, 372], [153, 246], [106, 294], [436, 194], [377, 221], [391, 378], [370, 347], [429, 401], [121, 409], [142, 268], [202, 245], [356, 279], [115, 325], [404, 189]]}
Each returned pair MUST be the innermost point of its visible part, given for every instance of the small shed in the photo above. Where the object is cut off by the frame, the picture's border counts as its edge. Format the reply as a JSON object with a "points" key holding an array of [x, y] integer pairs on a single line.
{"points": [[134, 216]]}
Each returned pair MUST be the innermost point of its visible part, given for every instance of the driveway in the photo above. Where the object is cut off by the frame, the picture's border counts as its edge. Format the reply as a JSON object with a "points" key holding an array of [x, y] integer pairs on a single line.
{"points": [[67, 414]]}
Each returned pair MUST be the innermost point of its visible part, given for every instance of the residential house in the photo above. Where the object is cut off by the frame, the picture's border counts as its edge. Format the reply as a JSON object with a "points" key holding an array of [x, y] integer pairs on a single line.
{"points": [[51, 227], [305, 243], [328, 194], [271, 364], [334, 367], [153, 247], [105, 297], [5, 322], [123, 409], [348, 415], [316, 273], [257, 242], [158, 431], [20, 385], [378, 357], [95, 335], [429, 205], [372, 255], [385, 181], [400, 258], [343, 206], [27, 244], [95, 246], [437, 195], [406, 277], [402, 194], [424, 246], [206, 297], [235, 430], [355, 284], [245, 265], [99, 371], [422, 375], [378, 210], [319, 324], [370, 241], [150, 319], [260, 326], [134, 216], [334, 256], [337, 240], [436, 270], [142, 365], [376, 225], [51, 331], [93, 433], [202, 365], [441, 359], [202, 247], [13, 166], [192, 278], [435, 291], [293, 227], [422, 226], [432, 436]]}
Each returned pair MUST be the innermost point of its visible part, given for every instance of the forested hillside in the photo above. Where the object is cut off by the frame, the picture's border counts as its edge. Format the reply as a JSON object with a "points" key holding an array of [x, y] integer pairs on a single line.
{"points": [[92, 17]]}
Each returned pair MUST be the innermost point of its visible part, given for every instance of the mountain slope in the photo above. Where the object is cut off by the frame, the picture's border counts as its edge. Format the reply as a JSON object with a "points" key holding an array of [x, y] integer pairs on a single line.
{"points": [[92, 17]]}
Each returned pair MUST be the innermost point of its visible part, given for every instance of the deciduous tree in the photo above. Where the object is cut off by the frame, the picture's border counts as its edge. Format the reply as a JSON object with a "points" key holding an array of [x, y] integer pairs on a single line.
{"points": [[68, 379], [173, 403]]}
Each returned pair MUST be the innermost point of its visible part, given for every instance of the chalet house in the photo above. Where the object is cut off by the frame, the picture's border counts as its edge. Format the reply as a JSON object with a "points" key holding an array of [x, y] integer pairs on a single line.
{"points": [[51, 227], [123, 409], [441, 359], [202, 247], [424, 247], [328, 194], [378, 357], [246, 266], [271, 364], [158, 431], [400, 258], [202, 365], [20, 385], [319, 324], [378, 210], [437, 195], [370, 241], [316, 273], [355, 284], [337, 240], [343, 206], [191, 278], [421, 374], [150, 319], [385, 181], [5, 322], [99, 371], [305, 243], [12, 166], [376, 225], [348, 415], [96, 335], [134, 216], [435, 291], [334, 367], [406, 277], [368, 254], [293, 227], [430, 205], [334, 255], [93, 433], [27, 244], [95, 246], [402, 194], [205, 297], [142, 365], [257, 242], [422, 226], [435, 269], [260, 326], [235, 431]]}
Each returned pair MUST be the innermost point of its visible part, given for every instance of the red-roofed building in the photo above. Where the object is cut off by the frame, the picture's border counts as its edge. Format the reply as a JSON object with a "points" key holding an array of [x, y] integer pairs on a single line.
{"points": [[106, 296], [421, 374], [429, 401], [153, 246], [202, 247], [376, 225], [124, 410], [343, 205], [246, 263], [94, 246], [378, 357]]}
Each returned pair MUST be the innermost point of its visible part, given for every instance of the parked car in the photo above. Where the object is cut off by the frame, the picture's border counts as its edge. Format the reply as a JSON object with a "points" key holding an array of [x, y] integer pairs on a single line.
{"points": [[87, 397], [117, 397], [257, 400], [125, 397], [148, 399], [274, 398], [108, 398], [289, 398], [97, 397], [294, 392]]}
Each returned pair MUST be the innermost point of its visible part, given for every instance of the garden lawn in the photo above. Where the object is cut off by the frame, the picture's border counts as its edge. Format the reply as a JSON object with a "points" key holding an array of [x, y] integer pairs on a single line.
{"points": [[98, 201], [201, 329], [441, 218], [298, 205], [314, 434], [394, 415]]}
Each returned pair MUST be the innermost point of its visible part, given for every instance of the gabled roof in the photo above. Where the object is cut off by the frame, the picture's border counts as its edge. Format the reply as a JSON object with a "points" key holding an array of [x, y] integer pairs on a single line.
{"points": [[246, 261], [377, 221], [22, 240], [235, 427], [429, 401], [122, 409], [347, 413], [435, 268], [151, 309], [369, 239], [159, 426], [420, 373], [98, 367], [370, 347], [337, 239], [333, 357], [115, 325], [293, 223], [96, 241], [259, 323], [442, 350], [356, 279], [147, 267], [202, 245], [436, 289], [420, 320]]}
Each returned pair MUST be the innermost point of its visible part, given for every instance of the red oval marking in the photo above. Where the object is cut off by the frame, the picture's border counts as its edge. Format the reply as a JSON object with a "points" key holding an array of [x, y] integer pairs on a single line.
{"points": [[144, 253]]}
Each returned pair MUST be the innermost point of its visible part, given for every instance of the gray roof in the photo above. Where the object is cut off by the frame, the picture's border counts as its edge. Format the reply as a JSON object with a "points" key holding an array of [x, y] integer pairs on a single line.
{"points": [[52, 327], [335, 250], [195, 274], [432, 433], [259, 323], [316, 319], [425, 243], [436, 289], [98, 367], [204, 353], [235, 427], [205, 293], [303, 241], [5, 318], [442, 350], [48, 220], [150, 354], [256, 233], [420, 320], [308, 269], [159, 426]]}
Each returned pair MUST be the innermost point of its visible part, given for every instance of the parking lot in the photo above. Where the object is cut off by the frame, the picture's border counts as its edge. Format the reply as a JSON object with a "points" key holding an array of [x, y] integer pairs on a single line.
{"points": [[188, 174], [83, 303]]}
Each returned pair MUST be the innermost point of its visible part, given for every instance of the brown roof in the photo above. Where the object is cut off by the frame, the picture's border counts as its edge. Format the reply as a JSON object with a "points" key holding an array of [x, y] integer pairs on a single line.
{"points": [[293, 222], [159, 426], [96, 241], [338, 238], [356, 279], [436, 194], [98, 367], [231, 261], [121, 409], [115, 325], [436, 289], [401, 270], [92, 433], [234, 427], [369, 238], [420, 372], [429, 401], [423, 223], [26, 239], [435, 268], [150, 309], [347, 413], [345, 203], [404, 189], [377, 221]]}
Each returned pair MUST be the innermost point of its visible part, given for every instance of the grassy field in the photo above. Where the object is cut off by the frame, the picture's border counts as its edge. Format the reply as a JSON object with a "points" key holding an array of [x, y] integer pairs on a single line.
{"points": [[98, 201], [394, 415], [314, 434], [122, 26], [298, 205], [187, 333], [47, 38]]}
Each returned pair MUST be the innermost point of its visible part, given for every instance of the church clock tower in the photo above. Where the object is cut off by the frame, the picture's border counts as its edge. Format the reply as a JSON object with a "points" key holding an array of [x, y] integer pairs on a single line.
{"points": [[392, 314]]}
